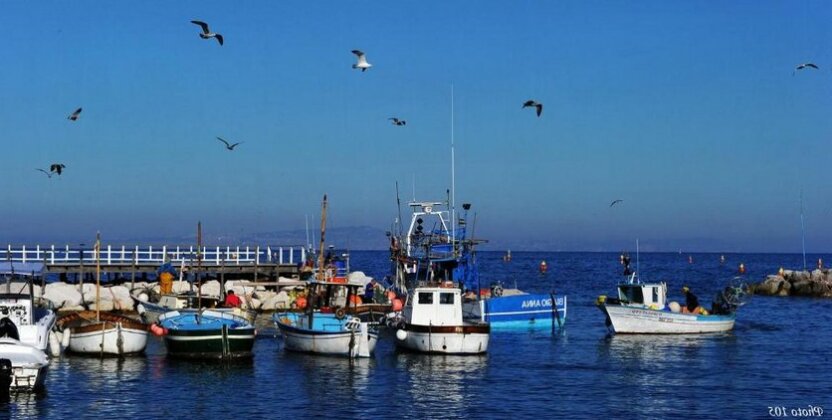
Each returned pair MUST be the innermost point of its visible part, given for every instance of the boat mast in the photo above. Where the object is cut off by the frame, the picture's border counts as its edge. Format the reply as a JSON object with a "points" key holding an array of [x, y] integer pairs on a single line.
{"points": [[199, 263], [98, 276], [453, 178], [802, 230], [308, 243], [323, 236]]}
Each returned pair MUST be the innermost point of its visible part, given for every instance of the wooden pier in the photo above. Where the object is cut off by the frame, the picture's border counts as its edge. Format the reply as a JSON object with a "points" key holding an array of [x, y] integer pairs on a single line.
{"points": [[123, 262]]}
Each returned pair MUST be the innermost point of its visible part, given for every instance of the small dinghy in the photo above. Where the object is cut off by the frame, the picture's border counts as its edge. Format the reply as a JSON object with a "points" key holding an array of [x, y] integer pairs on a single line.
{"points": [[102, 334], [205, 334]]}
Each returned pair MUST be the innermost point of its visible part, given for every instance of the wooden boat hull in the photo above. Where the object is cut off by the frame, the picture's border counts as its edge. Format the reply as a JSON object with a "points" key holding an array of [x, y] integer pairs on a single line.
{"points": [[109, 335], [462, 339], [360, 342], [207, 334], [623, 319], [29, 365]]}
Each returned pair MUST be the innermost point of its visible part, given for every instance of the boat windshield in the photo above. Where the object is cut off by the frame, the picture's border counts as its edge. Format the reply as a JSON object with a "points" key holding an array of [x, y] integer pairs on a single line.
{"points": [[631, 294]]}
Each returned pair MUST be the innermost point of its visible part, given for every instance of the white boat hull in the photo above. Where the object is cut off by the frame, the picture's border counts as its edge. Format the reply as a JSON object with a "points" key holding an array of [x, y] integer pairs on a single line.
{"points": [[360, 343], [439, 340], [116, 341], [634, 320], [29, 364]]}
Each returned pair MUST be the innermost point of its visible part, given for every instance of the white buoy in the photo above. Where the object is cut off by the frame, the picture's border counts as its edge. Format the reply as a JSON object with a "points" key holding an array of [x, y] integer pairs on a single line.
{"points": [[674, 307], [54, 343], [401, 335], [143, 297], [65, 340]]}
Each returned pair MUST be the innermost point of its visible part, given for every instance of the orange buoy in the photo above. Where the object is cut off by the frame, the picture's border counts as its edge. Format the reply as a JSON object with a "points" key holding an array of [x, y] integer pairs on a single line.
{"points": [[355, 300], [396, 305], [391, 295], [742, 268], [300, 302], [543, 267], [158, 330]]}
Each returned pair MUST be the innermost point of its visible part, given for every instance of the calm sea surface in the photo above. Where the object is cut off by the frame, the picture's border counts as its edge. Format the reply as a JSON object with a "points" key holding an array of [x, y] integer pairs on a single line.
{"points": [[777, 356]]}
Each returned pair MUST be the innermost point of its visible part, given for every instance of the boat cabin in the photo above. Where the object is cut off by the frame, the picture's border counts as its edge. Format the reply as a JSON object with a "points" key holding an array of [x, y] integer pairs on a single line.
{"points": [[435, 306], [653, 295]]}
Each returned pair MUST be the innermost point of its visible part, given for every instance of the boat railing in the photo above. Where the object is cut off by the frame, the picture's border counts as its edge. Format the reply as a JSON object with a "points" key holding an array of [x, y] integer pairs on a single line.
{"points": [[122, 254]]}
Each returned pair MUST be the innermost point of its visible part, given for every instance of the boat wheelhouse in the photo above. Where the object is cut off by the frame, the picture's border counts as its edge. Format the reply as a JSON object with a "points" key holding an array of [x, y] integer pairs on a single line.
{"points": [[432, 322]]}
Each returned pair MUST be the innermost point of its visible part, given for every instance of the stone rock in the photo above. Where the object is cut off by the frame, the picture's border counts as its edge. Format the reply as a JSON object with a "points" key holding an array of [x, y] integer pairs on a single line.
{"points": [[120, 297], [211, 288], [278, 301], [818, 276], [802, 288], [63, 295]]}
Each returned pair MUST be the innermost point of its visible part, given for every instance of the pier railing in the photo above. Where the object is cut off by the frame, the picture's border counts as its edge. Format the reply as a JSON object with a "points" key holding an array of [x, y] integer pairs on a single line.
{"points": [[144, 255]]}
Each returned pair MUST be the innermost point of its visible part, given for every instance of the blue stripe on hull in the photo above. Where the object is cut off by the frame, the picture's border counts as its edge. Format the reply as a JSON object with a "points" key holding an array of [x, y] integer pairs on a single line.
{"points": [[524, 311]]}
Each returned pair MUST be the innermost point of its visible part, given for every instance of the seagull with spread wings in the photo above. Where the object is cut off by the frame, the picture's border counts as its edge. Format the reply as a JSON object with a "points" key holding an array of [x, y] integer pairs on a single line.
{"points": [[535, 104], [228, 145], [803, 66], [74, 116], [362, 61], [397, 121], [206, 33], [614, 202]]}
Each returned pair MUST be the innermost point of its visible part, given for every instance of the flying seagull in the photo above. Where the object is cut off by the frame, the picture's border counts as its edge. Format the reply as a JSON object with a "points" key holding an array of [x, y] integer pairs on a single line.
{"points": [[614, 202], [74, 116], [206, 33], [47, 173], [362, 61], [57, 168], [803, 66], [537, 105], [228, 145], [397, 121]]}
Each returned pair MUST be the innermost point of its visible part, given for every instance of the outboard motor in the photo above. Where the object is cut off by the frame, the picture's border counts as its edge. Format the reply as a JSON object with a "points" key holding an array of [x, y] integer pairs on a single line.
{"points": [[5, 377], [8, 329]]}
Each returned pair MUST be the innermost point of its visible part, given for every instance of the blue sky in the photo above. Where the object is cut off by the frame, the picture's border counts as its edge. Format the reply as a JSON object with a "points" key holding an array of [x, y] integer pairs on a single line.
{"points": [[688, 111]]}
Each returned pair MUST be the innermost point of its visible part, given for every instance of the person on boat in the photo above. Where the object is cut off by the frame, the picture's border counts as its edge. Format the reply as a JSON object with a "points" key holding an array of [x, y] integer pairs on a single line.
{"points": [[232, 300], [370, 291], [625, 261], [691, 302]]}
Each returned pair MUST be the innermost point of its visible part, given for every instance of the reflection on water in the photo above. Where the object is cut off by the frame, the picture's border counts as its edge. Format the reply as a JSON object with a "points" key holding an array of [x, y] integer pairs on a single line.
{"points": [[441, 382], [22, 404]]}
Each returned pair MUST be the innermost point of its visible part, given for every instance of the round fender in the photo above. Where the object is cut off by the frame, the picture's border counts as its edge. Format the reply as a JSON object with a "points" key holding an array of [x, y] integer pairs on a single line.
{"points": [[340, 313], [401, 335]]}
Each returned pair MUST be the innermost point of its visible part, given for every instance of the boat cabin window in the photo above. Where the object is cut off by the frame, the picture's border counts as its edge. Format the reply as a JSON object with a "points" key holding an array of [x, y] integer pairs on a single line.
{"points": [[425, 298], [632, 294], [446, 298], [655, 294]]}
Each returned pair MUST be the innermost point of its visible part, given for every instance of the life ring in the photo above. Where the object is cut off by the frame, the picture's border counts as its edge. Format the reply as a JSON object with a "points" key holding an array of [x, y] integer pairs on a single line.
{"points": [[340, 313], [497, 291]]}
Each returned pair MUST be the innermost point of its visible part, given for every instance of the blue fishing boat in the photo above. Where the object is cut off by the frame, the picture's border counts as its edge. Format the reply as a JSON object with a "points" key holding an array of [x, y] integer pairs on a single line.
{"points": [[438, 249], [205, 334]]}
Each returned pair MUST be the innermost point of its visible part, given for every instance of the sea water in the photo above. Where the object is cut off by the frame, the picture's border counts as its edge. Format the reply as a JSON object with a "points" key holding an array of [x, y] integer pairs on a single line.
{"points": [[776, 362]]}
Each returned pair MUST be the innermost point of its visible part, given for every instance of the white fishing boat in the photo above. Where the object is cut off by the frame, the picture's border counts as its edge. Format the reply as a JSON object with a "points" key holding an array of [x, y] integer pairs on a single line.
{"points": [[32, 317], [28, 364], [432, 322], [327, 325], [642, 308], [103, 334]]}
